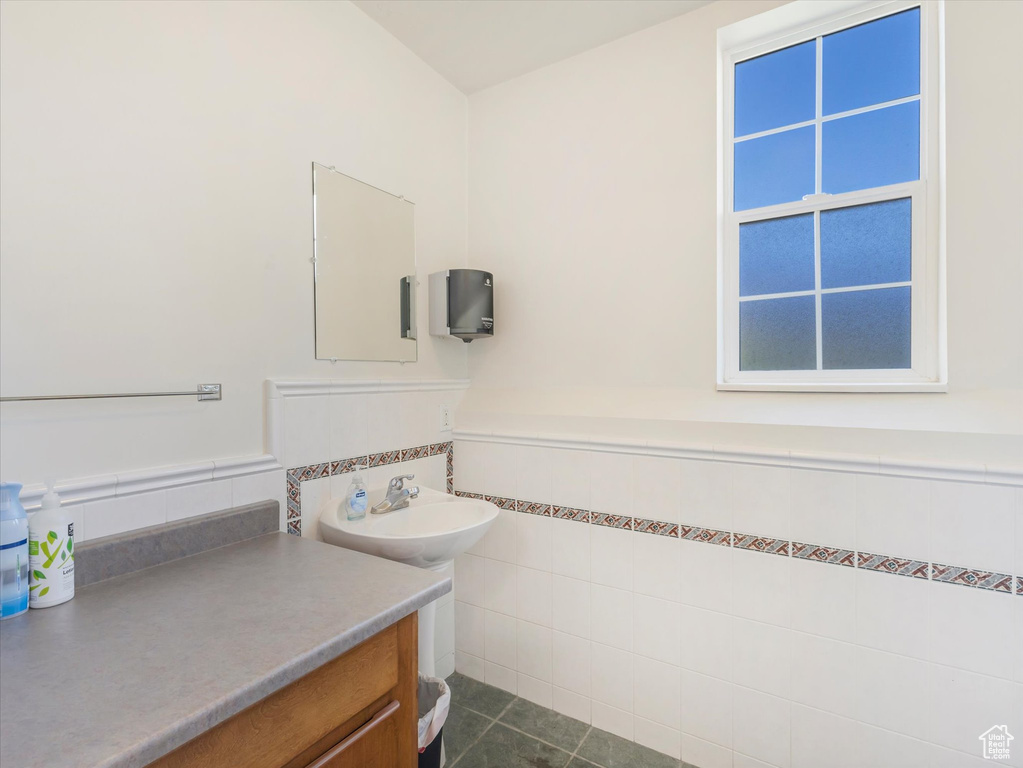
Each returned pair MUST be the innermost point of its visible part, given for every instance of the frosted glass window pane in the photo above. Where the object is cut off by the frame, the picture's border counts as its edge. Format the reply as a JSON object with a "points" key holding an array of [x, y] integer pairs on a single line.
{"points": [[866, 244], [778, 334], [872, 149], [873, 63], [866, 329], [774, 169], [776, 89], [776, 255]]}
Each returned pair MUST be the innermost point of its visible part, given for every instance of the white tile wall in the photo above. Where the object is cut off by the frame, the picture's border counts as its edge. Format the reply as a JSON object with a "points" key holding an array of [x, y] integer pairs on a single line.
{"points": [[573, 705], [657, 488], [533, 541], [761, 656], [349, 427], [533, 590], [823, 599], [824, 508], [610, 483], [534, 650], [611, 556], [656, 567], [728, 657], [124, 513], [570, 549], [572, 670], [823, 740], [893, 516], [705, 495], [611, 680], [972, 525], [760, 499], [706, 708], [760, 589], [611, 616], [656, 736], [761, 726], [198, 499], [570, 610], [570, 478], [306, 431]]}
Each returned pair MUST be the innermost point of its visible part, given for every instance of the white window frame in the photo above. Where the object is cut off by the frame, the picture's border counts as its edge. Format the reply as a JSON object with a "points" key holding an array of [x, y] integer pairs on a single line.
{"points": [[785, 26]]}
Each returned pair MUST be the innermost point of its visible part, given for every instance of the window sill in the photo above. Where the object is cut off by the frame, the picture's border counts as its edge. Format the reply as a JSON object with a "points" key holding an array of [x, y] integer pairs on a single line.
{"points": [[909, 387]]}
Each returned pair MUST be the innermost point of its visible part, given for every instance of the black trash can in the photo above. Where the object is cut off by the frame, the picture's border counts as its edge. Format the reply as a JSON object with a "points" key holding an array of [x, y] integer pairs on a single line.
{"points": [[434, 703], [430, 756]]}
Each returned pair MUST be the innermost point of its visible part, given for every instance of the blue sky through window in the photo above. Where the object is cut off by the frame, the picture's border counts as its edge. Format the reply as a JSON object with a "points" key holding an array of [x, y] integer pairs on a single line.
{"points": [[865, 244], [872, 63], [776, 90]]}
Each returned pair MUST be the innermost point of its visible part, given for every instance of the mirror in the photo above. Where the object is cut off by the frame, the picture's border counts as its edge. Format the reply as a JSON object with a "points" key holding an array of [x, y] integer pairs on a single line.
{"points": [[364, 265]]}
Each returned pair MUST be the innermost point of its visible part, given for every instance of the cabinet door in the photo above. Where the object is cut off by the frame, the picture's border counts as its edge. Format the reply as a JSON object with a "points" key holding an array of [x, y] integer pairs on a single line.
{"points": [[374, 745]]}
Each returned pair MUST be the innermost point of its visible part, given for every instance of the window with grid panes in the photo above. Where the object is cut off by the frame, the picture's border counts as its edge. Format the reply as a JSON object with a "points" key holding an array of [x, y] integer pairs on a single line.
{"points": [[830, 267]]}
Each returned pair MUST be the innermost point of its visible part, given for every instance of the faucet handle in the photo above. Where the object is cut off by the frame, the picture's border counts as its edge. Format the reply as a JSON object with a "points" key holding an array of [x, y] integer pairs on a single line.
{"points": [[397, 483]]}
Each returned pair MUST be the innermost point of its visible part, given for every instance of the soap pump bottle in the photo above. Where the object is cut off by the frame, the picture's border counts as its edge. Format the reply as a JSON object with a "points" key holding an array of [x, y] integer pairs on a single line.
{"points": [[51, 554], [13, 552], [356, 499]]}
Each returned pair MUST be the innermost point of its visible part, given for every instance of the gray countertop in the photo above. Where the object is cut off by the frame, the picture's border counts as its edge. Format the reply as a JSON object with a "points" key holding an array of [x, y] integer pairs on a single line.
{"points": [[140, 664]]}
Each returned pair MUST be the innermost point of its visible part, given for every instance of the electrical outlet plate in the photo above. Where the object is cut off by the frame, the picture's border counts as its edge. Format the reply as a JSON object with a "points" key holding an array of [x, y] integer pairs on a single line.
{"points": [[445, 419]]}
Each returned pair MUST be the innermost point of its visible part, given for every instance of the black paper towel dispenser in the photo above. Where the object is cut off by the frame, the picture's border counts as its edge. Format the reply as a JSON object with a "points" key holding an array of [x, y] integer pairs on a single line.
{"points": [[462, 304]]}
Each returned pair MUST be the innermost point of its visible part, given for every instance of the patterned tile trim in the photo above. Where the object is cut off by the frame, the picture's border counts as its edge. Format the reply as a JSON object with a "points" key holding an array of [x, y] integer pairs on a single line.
{"points": [[467, 495], [917, 569], [570, 513], [655, 526], [384, 458], [968, 577], [533, 508], [298, 475], [611, 521], [501, 502], [419, 452], [449, 450], [821, 554], [706, 535], [760, 544]]}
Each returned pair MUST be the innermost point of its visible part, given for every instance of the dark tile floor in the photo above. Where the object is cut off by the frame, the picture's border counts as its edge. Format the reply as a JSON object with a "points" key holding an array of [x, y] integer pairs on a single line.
{"points": [[490, 728]]}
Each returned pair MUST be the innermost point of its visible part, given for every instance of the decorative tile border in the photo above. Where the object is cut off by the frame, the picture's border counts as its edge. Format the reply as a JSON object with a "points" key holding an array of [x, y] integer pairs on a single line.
{"points": [[818, 553], [655, 526], [296, 476], [534, 508], [706, 535], [611, 521], [570, 513], [968, 577], [821, 554], [917, 569], [763, 544]]}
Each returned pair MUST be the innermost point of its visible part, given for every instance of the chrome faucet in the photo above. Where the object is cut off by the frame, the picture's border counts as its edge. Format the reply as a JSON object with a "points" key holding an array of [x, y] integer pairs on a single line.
{"points": [[398, 496]]}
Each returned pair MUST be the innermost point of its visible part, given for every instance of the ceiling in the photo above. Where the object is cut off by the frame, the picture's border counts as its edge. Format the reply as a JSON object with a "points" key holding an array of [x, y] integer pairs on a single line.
{"points": [[475, 44]]}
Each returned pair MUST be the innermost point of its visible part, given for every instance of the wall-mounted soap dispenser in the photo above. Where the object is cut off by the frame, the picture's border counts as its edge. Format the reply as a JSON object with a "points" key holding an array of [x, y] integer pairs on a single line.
{"points": [[462, 304]]}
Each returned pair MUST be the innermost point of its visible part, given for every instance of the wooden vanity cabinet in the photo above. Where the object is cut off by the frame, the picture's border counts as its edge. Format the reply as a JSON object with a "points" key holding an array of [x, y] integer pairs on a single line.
{"points": [[357, 711]]}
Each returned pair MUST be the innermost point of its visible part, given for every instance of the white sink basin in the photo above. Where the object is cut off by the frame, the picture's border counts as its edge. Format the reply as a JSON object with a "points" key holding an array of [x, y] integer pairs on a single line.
{"points": [[432, 531]]}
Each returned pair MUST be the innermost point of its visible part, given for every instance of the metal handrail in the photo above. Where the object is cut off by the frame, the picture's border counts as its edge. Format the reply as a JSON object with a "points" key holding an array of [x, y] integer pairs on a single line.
{"points": [[203, 392]]}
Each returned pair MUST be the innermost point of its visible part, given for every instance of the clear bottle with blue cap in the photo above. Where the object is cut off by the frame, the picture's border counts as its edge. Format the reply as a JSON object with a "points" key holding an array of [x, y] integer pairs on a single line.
{"points": [[13, 552]]}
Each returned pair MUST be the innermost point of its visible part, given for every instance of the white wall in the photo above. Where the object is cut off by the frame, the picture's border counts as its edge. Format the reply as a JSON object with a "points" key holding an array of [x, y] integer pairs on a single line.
{"points": [[157, 214], [592, 199]]}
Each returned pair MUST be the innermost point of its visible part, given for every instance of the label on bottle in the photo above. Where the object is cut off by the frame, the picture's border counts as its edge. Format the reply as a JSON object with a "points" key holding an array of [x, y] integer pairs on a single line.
{"points": [[51, 566], [358, 501]]}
